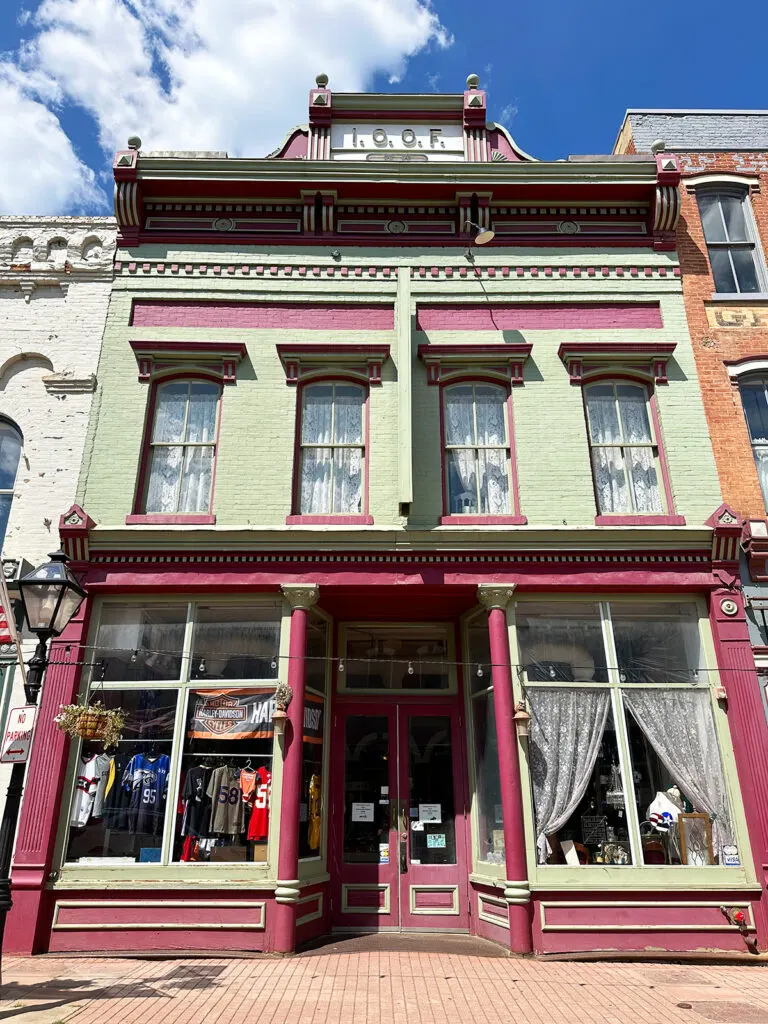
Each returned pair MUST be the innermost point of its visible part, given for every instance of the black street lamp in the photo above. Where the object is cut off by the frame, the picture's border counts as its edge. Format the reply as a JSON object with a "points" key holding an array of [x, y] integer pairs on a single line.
{"points": [[50, 596]]}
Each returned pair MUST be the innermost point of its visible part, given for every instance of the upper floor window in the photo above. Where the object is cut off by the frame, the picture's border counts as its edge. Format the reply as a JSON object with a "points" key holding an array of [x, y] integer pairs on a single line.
{"points": [[10, 453], [332, 458], [754, 398], [731, 240], [477, 450], [625, 453], [182, 447]]}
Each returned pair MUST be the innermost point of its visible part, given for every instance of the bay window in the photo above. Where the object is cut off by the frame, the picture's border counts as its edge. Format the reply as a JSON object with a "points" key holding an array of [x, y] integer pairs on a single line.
{"points": [[182, 447], [476, 449], [624, 758], [624, 449], [190, 779], [332, 456]]}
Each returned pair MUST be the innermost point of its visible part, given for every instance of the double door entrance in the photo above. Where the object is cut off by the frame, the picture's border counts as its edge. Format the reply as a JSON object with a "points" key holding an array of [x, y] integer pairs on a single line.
{"points": [[399, 818]]}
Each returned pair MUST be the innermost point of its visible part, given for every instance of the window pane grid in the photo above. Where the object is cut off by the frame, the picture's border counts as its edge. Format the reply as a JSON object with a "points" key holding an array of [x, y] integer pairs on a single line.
{"points": [[732, 250], [469, 484], [178, 480], [331, 479]]}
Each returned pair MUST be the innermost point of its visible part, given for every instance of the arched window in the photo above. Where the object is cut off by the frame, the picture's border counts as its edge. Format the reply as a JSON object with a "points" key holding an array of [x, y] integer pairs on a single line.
{"points": [[10, 453], [182, 447], [476, 449], [332, 475], [625, 453]]}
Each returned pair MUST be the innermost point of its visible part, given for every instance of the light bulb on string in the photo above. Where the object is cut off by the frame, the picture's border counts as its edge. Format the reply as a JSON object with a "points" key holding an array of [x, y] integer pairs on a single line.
{"points": [[134, 656], [201, 666], [479, 671], [341, 664], [552, 672], [410, 668], [273, 664]]}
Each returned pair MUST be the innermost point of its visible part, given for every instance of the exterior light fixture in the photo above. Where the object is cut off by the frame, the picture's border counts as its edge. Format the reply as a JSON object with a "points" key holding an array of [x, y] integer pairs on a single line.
{"points": [[522, 719]]}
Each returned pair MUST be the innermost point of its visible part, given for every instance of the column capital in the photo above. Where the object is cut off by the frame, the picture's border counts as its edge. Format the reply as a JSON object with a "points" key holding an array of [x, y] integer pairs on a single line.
{"points": [[300, 595], [492, 595]]}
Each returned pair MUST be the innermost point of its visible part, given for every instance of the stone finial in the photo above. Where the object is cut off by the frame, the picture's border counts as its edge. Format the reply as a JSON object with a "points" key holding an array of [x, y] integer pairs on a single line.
{"points": [[473, 81], [658, 146], [134, 142], [322, 81]]}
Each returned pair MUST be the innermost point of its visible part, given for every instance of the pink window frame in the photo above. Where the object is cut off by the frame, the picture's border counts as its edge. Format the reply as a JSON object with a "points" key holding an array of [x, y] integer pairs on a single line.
{"points": [[139, 517], [514, 518], [669, 518], [297, 518]]}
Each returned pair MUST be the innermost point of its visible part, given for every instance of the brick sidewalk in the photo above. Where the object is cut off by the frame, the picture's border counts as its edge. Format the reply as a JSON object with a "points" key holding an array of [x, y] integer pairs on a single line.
{"points": [[363, 988]]}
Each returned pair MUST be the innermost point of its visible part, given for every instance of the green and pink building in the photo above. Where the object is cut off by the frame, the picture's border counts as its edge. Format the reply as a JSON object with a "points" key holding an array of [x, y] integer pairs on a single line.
{"points": [[409, 422]]}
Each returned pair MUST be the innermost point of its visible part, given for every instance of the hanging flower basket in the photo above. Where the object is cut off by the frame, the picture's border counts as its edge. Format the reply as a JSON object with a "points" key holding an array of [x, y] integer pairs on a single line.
{"points": [[92, 722]]}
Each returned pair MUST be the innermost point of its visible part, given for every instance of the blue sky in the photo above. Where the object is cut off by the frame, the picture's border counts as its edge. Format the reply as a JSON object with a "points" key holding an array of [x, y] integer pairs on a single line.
{"points": [[78, 76]]}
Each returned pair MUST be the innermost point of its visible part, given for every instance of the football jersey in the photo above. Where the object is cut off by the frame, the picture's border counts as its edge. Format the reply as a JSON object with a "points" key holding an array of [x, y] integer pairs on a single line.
{"points": [[197, 803], [258, 826], [147, 781], [227, 816], [90, 787]]}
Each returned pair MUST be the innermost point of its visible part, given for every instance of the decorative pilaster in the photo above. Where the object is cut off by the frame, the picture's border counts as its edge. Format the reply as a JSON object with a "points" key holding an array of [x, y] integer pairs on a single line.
{"points": [[301, 598], [516, 889]]}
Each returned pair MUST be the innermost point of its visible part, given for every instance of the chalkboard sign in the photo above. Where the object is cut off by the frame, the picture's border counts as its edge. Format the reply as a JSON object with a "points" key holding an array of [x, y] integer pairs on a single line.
{"points": [[593, 829]]}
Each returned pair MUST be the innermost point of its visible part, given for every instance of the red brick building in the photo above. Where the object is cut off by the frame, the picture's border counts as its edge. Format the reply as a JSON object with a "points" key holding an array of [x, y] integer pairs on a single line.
{"points": [[721, 238]]}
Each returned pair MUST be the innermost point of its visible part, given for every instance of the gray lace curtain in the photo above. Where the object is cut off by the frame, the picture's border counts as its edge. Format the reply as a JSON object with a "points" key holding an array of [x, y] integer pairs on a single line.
{"points": [[680, 728], [566, 731]]}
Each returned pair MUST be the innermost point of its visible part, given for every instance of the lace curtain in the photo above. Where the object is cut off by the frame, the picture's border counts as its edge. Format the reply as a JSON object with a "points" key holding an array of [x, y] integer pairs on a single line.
{"points": [[566, 730], [183, 437], [475, 416], [332, 477], [680, 728]]}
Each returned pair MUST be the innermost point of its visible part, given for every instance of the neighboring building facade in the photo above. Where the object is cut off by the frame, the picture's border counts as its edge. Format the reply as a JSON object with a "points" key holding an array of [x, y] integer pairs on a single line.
{"points": [[55, 279], [435, 486], [722, 234]]}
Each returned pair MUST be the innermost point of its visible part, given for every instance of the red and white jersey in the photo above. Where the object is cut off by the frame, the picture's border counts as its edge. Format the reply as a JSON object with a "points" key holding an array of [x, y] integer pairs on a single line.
{"points": [[258, 826], [91, 782]]}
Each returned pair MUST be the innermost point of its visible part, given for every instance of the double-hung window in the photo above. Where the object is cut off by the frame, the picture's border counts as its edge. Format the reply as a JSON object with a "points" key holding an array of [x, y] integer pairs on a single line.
{"points": [[477, 449], [624, 450], [729, 232], [10, 453], [332, 440], [754, 399], [182, 447]]}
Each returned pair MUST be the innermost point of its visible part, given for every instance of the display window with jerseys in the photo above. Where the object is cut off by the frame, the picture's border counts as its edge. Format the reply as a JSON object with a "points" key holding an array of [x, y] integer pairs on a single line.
{"points": [[190, 779]]}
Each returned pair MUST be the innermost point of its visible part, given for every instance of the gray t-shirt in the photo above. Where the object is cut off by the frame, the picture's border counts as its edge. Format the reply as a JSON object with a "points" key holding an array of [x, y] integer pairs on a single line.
{"points": [[227, 817]]}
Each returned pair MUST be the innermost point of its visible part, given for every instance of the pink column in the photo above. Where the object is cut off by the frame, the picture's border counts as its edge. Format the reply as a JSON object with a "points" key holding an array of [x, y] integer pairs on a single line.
{"points": [[301, 598], [516, 890], [28, 927]]}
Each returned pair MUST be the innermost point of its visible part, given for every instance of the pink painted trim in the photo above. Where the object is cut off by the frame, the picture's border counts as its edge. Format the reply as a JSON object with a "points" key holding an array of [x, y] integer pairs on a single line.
{"points": [[192, 519], [470, 520], [264, 315], [538, 316], [617, 520], [301, 520]]}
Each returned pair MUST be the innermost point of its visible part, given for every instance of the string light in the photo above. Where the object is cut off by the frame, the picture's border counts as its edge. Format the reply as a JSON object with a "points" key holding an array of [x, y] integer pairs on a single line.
{"points": [[134, 656], [201, 666], [410, 668], [341, 664], [273, 664], [479, 671]]}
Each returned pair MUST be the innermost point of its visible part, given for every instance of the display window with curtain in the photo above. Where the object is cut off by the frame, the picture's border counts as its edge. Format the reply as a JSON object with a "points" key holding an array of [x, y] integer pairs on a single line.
{"points": [[628, 756], [190, 780]]}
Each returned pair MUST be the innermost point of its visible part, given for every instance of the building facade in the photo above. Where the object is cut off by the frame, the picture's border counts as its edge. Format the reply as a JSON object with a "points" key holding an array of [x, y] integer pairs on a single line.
{"points": [[55, 279], [407, 557], [721, 238]]}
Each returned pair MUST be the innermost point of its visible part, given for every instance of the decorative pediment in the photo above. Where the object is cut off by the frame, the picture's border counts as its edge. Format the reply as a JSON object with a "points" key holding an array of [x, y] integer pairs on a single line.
{"points": [[584, 359], [498, 360], [303, 361], [219, 357], [74, 528]]}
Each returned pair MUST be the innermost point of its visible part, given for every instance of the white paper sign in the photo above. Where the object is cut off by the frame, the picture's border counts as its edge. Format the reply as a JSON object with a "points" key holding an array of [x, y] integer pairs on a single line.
{"points": [[362, 812], [431, 812], [731, 857], [18, 735]]}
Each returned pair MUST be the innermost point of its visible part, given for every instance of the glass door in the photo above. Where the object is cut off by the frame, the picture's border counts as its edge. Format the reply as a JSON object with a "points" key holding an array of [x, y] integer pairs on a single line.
{"points": [[398, 819]]}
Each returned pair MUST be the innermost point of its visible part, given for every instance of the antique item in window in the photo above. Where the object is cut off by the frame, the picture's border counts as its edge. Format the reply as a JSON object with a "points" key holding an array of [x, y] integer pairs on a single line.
{"points": [[696, 839]]}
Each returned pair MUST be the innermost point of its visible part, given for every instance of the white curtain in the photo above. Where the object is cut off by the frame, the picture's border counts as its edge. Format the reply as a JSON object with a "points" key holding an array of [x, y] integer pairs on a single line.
{"points": [[761, 461], [494, 481], [183, 436], [610, 480], [332, 477], [566, 731], [679, 726], [645, 483], [475, 420], [459, 422]]}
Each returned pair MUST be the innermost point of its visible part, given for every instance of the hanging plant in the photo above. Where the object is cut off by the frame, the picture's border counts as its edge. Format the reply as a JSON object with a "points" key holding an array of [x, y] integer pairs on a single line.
{"points": [[92, 722]]}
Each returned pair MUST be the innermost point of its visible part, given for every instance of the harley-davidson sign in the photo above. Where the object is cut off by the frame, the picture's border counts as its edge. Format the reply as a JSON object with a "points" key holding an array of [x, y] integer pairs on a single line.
{"points": [[244, 714]]}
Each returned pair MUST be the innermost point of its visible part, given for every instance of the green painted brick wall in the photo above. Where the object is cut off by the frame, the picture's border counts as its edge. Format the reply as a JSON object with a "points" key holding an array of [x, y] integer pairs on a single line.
{"points": [[255, 461]]}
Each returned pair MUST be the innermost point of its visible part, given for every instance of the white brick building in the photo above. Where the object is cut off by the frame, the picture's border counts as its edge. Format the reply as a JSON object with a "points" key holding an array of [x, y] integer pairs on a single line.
{"points": [[55, 280]]}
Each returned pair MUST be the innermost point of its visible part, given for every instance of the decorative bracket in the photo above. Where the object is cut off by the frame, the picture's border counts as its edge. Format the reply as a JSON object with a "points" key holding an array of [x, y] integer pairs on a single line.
{"points": [[219, 357], [727, 530], [305, 361], [498, 360], [74, 527], [585, 359]]}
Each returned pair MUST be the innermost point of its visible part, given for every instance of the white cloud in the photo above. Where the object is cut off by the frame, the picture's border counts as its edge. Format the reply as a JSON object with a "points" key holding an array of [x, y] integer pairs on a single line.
{"points": [[212, 74], [40, 171]]}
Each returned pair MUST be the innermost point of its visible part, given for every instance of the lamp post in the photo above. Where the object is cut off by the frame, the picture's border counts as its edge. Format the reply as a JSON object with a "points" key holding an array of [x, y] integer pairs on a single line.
{"points": [[50, 596]]}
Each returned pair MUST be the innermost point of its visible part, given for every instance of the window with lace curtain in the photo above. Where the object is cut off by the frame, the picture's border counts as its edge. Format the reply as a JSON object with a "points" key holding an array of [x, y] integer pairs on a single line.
{"points": [[332, 458], [182, 447], [624, 451], [476, 450]]}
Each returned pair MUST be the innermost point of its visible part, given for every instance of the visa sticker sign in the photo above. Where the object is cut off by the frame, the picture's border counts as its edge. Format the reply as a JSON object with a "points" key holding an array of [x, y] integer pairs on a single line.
{"points": [[18, 735]]}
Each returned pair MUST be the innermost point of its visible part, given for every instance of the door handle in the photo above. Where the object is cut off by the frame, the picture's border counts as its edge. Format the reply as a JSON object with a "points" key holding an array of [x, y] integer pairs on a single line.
{"points": [[403, 841]]}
